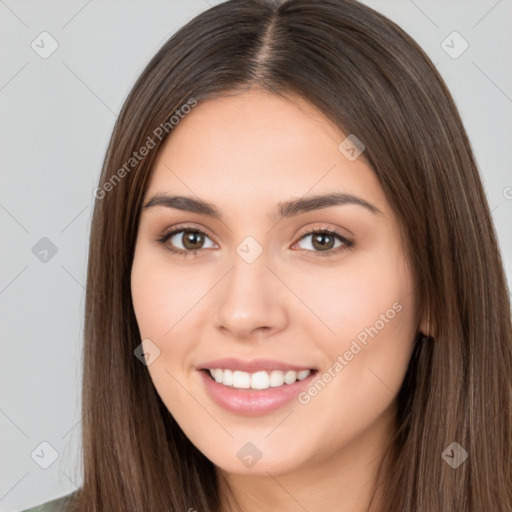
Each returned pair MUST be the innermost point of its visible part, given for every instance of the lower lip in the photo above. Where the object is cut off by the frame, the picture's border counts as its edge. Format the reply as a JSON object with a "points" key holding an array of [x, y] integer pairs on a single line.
{"points": [[250, 402]]}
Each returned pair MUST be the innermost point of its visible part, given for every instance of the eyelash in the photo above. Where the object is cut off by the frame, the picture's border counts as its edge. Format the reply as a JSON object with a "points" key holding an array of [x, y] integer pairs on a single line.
{"points": [[348, 244]]}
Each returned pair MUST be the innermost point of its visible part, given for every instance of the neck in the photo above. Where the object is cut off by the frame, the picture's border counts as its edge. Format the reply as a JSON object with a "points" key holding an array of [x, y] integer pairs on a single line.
{"points": [[345, 481]]}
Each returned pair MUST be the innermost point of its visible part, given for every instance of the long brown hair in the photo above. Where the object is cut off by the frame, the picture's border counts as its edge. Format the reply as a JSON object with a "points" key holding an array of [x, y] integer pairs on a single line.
{"points": [[371, 79]]}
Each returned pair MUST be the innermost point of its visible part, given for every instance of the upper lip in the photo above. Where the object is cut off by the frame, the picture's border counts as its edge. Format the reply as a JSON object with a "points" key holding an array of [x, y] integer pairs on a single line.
{"points": [[252, 366]]}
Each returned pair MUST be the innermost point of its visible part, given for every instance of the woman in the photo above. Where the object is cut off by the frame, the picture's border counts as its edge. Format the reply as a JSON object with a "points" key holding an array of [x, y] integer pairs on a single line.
{"points": [[295, 297]]}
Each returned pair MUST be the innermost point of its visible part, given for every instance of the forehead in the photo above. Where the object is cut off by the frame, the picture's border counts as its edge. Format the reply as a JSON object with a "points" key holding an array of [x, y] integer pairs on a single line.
{"points": [[255, 148]]}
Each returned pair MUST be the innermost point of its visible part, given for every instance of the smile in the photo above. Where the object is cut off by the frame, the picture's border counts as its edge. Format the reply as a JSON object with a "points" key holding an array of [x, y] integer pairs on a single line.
{"points": [[258, 380]]}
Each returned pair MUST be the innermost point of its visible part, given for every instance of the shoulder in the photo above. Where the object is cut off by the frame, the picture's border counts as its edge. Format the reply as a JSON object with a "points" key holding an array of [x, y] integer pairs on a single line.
{"points": [[56, 505]]}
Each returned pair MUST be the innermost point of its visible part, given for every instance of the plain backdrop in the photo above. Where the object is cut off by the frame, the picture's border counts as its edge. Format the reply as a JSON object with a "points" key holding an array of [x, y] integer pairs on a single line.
{"points": [[57, 113]]}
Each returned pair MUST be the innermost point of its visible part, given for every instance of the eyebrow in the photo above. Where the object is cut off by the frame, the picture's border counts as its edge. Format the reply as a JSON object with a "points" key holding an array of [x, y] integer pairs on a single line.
{"points": [[285, 209]]}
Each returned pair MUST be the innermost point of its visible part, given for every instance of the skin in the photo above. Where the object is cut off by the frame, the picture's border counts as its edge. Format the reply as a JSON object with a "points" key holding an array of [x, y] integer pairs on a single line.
{"points": [[245, 153]]}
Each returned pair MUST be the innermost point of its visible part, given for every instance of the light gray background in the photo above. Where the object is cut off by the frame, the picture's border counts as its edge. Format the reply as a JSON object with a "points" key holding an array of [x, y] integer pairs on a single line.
{"points": [[57, 115]]}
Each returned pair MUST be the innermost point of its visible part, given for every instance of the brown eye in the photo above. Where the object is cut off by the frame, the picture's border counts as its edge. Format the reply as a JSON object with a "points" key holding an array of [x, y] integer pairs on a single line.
{"points": [[323, 242], [192, 240], [184, 241]]}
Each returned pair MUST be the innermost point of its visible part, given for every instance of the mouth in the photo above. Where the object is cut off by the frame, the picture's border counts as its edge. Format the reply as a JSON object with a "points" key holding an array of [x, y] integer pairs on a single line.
{"points": [[259, 380], [256, 392]]}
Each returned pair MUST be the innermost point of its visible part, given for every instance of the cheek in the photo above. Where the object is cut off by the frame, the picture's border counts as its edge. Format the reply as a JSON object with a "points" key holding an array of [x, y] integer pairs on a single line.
{"points": [[160, 295], [352, 296], [160, 301], [370, 308]]}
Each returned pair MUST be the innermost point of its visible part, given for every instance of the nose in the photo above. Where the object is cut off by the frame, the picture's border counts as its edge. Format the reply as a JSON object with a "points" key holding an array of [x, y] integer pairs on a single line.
{"points": [[252, 300]]}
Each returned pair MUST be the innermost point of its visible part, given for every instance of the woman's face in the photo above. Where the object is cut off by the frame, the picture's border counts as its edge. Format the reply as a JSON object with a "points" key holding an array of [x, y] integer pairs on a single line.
{"points": [[308, 335]]}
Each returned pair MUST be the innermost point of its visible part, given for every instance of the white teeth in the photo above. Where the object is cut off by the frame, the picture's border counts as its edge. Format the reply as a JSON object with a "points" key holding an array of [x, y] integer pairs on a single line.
{"points": [[227, 378], [257, 380], [290, 377], [302, 374], [241, 380], [260, 380], [276, 378]]}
